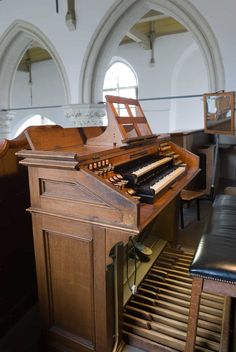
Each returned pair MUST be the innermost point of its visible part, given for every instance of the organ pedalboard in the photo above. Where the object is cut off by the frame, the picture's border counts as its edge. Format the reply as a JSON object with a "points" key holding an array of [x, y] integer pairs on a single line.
{"points": [[157, 315]]}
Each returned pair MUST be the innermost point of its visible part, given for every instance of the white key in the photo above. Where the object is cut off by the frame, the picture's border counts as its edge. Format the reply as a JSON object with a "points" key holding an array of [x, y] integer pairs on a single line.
{"points": [[151, 166], [165, 181]]}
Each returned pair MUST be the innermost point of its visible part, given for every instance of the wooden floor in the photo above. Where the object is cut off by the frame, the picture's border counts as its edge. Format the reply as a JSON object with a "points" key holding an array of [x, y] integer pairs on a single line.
{"points": [[129, 348]]}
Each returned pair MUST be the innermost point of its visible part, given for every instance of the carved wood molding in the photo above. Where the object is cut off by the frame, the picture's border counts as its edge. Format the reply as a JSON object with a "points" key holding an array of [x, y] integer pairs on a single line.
{"points": [[66, 161]]}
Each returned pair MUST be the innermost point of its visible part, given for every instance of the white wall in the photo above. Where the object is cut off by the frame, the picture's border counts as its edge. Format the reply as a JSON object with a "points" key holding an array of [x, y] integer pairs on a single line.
{"points": [[178, 70], [71, 47], [46, 86], [189, 77], [21, 90], [220, 16]]}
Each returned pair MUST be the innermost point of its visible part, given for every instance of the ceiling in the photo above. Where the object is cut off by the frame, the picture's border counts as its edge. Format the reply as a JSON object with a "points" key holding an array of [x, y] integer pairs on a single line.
{"points": [[33, 55], [152, 25]]}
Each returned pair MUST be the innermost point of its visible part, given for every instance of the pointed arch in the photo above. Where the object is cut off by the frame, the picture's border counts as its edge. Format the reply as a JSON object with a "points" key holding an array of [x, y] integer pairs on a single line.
{"points": [[13, 44], [35, 120], [121, 17]]}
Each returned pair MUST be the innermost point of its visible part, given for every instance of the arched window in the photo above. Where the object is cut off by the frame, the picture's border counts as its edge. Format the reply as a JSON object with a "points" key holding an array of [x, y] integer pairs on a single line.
{"points": [[120, 80], [36, 120]]}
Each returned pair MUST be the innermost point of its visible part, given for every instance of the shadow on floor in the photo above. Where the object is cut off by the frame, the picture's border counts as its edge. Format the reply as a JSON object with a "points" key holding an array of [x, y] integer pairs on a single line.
{"points": [[189, 237]]}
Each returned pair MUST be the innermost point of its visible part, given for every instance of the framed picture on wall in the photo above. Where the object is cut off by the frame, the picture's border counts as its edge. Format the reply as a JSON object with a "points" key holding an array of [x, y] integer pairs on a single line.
{"points": [[219, 113]]}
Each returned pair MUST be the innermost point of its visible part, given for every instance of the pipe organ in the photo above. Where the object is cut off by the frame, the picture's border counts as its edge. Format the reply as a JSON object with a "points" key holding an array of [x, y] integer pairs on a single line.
{"points": [[89, 197]]}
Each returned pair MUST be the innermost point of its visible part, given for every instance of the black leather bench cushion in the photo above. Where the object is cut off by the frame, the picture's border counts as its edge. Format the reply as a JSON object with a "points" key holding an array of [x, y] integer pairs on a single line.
{"points": [[222, 222], [215, 257]]}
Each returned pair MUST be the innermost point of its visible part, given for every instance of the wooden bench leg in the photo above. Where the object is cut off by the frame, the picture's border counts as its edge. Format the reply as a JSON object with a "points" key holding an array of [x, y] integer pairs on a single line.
{"points": [[181, 214], [193, 314], [198, 209]]}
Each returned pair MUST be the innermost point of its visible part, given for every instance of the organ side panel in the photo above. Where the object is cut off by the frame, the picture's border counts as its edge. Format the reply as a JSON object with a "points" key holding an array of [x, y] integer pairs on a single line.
{"points": [[65, 271], [80, 195], [72, 246], [75, 279]]}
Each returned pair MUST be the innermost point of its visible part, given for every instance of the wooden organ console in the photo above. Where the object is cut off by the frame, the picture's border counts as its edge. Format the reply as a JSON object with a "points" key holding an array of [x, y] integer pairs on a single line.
{"points": [[88, 198]]}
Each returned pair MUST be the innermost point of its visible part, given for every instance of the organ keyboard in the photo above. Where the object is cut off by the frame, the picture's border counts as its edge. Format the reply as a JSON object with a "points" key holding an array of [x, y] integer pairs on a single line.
{"points": [[149, 181], [88, 197], [168, 179], [134, 170], [152, 166]]}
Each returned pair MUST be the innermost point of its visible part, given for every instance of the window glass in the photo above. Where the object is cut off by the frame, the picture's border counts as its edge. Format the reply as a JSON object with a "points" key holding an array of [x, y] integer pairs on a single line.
{"points": [[120, 80]]}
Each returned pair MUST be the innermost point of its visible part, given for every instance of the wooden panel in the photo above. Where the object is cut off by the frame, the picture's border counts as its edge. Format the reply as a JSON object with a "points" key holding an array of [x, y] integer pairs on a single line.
{"points": [[64, 260], [89, 197], [68, 190], [8, 160], [91, 132], [166, 223], [100, 287], [53, 137], [209, 152], [190, 140], [70, 280]]}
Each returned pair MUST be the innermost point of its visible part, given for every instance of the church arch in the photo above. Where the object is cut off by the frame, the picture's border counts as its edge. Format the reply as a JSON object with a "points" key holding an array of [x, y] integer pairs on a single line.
{"points": [[121, 18], [13, 44]]}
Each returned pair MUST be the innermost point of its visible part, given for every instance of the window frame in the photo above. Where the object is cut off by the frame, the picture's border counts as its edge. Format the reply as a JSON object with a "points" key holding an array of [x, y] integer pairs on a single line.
{"points": [[118, 89]]}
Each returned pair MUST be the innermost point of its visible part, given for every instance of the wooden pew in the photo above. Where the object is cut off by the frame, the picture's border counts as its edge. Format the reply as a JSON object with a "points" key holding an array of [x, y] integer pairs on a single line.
{"points": [[17, 272]]}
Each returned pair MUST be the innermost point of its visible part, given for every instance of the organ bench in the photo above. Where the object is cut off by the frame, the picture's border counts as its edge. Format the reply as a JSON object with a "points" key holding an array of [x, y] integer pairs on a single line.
{"points": [[214, 265]]}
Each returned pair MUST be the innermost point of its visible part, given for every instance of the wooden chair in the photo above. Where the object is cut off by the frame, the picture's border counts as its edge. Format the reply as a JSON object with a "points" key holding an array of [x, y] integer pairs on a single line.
{"points": [[187, 196], [214, 266]]}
